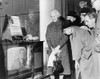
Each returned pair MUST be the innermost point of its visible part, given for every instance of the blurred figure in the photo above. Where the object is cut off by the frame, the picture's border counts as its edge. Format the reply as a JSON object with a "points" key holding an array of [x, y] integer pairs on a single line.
{"points": [[32, 30], [32, 25], [84, 4], [96, 5], [56, 41]]}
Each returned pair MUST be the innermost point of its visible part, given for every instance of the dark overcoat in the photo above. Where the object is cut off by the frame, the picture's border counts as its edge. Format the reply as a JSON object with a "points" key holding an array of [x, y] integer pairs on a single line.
{"points": [[55, 37]]}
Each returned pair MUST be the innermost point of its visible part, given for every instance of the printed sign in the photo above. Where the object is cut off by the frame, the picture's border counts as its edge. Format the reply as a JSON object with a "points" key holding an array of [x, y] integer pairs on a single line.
{"points": [[15, 26]]}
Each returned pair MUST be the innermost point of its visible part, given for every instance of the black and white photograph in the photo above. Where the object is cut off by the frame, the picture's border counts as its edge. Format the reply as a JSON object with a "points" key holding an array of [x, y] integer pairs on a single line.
{"points": [[49, 39]]}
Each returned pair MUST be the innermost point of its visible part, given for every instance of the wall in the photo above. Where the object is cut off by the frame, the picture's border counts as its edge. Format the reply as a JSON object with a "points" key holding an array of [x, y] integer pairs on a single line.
{"points": [[45, 7], [13, 7], [58, 5], [61, 7]]}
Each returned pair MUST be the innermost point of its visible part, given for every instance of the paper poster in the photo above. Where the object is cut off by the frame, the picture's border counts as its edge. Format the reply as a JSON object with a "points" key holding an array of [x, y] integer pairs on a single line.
{"points": [[15, 26]]}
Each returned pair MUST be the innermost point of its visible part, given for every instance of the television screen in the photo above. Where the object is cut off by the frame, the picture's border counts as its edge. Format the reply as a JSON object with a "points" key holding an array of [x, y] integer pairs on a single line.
{"points": [[16, 58]]}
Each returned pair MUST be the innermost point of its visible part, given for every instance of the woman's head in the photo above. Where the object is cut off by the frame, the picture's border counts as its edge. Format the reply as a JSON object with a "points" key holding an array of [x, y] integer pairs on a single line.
{"points": [[54, 14], [90, 19], [31, 14], [82, 3]]}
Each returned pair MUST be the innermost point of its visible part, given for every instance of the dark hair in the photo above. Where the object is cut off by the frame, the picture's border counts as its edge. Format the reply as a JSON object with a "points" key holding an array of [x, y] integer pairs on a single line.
{"points": [[92, 14]]}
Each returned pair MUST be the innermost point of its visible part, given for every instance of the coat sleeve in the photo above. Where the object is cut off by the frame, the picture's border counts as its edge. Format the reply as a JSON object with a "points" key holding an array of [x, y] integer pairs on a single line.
{"points": [[76, 43], [48, 38], [63, 40], [87, 49]]}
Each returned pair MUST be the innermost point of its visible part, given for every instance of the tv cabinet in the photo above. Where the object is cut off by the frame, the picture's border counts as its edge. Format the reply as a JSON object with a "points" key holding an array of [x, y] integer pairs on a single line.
{"points": [[37, 66]]}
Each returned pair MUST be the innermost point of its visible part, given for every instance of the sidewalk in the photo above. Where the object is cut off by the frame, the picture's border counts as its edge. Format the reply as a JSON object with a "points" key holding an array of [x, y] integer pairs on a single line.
{"points": [[40, 76]]}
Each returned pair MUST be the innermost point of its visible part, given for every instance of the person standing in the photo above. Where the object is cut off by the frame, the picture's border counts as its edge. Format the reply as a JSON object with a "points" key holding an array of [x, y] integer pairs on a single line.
{"points": [[96, 5], [84, 48], [56, 40]]}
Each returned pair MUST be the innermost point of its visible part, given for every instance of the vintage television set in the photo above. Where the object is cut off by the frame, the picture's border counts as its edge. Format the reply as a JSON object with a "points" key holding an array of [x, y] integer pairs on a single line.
{"points": [[15, 62], [17, 58], [22, 58]]}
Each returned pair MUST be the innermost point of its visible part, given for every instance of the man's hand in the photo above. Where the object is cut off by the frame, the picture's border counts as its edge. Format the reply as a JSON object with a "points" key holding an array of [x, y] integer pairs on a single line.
{"points": [[68, 30]]}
